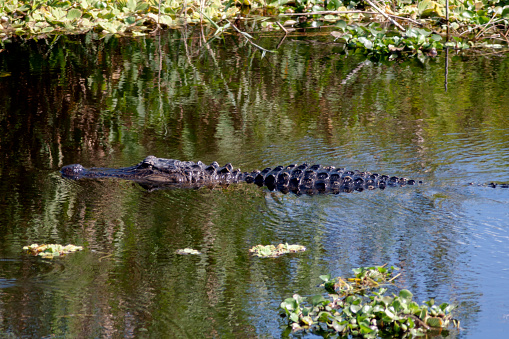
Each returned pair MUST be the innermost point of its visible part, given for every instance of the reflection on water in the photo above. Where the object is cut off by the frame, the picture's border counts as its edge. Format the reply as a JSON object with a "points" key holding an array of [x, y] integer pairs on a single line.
{"points": [[112, 102]]}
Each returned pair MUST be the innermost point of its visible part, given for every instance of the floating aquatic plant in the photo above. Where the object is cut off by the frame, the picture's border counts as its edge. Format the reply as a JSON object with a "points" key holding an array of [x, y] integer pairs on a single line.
{"points": [[187, 251], [271, 251], [359, 307], [51, 250]]}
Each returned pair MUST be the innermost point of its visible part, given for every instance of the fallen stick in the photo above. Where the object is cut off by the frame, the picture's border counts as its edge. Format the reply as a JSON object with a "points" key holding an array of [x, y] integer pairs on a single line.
{"points": [[385, 15]]}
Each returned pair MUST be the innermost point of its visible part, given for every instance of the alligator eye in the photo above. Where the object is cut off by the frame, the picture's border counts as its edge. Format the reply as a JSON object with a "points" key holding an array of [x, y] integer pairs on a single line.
{"points": [[146, 164]]}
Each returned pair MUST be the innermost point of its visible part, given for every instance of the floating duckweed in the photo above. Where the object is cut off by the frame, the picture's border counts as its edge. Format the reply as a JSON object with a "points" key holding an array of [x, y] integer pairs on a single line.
{"points": [[271, 251], [51, 250]]}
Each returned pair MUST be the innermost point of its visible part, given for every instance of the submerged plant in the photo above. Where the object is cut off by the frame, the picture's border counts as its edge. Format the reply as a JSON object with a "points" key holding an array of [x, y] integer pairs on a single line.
{"points": [[359, 306]]}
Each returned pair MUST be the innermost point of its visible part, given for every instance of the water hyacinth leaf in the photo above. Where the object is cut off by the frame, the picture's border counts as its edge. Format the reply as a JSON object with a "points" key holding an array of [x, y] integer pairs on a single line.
{"points": [[446, 308], [165, 20], [368, 44], [410, 322], [505, 13], [141, 7], [436, 37], [298, 298], [318, 300], [306, 311], [307, 320], [57, 13], [325, 277], [434, 322], [387, 300], [389, 314], [130, 20], [294, 317], [131, 5], [406, 295], [290, 304], [341, 24], [365, 329], [355, 308], [74, 14]]}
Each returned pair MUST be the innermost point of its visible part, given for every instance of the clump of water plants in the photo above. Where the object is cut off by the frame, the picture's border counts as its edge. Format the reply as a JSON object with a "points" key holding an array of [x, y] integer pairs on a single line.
{"points": [[51, 250], [359, 307], [271, 251], [187, 251]]}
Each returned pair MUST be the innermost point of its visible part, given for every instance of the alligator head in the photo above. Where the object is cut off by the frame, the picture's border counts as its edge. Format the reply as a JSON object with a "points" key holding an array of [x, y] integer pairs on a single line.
{"points": [[160, 172]]}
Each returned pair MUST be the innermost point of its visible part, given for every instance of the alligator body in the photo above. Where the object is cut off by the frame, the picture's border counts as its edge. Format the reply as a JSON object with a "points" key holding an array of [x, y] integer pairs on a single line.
{"points": [[156, 173]]}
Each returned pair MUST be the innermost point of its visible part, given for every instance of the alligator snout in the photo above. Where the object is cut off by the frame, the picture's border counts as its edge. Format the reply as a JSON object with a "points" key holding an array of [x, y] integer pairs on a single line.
{"points": [[72, 171]]}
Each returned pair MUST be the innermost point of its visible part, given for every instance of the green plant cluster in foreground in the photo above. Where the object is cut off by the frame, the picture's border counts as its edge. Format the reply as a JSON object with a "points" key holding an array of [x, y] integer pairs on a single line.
{"points": [[38, 17], [354, 308]]}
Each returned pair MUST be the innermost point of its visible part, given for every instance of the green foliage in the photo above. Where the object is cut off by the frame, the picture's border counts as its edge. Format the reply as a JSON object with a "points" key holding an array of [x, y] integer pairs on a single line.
{"points": [[360, 307], [471, 20], [110, 16], [271, 251], [373, 40], [49, 251]]}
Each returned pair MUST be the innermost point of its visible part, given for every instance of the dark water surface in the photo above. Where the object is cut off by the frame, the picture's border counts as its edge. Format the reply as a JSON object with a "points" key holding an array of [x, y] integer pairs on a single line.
{"points": [[111, 102]]}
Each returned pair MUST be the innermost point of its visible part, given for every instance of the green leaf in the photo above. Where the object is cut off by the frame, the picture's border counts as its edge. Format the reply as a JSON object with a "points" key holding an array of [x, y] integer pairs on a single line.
{"points": [[130, 20], [318, 300], [338, 327], [505, 13], [434, 322], [435, 37], [341, 24], [294, 317], [365, 329], [74, 14], [406, 295], [355, 308], [47, 29], [325, 278], [307, 320], [290, 304], [368, 44], [142, 7], [131, 5], [389, 314], [467, 14]]}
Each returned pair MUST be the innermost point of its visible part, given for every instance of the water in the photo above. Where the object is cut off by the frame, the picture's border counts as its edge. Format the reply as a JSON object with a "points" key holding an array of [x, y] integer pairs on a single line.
{"points": [[110, 102]]}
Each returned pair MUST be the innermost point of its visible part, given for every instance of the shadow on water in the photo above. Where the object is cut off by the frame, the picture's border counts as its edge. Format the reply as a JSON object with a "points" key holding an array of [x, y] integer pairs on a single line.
{"points": [[110, 102]]}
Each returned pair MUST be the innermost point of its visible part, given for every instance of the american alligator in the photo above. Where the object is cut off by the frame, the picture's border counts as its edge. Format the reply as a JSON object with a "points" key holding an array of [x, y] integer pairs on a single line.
{"points": [[155, 173]]}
